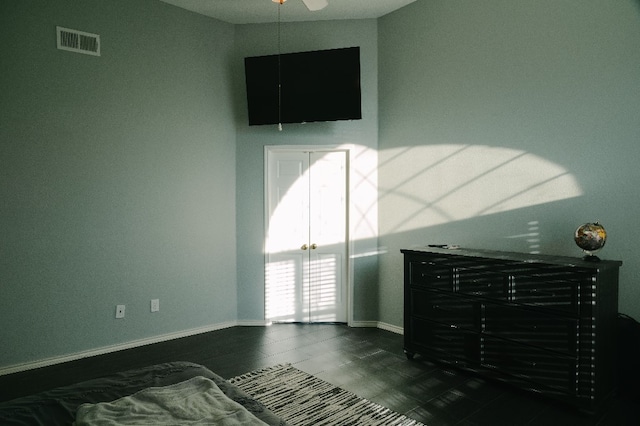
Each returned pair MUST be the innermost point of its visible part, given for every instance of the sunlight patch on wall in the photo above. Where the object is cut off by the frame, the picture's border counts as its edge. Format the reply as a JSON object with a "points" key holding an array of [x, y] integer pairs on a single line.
{"points": [[432, 185], [531, 238], [363, 193]]}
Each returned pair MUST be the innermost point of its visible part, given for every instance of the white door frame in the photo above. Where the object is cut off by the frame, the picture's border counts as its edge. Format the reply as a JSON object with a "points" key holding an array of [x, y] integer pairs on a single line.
{"points": [[349, 266]]}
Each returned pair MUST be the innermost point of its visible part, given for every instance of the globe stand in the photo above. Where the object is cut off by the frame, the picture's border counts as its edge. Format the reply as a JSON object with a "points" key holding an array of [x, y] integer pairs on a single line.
{"points": [[591, 258]]}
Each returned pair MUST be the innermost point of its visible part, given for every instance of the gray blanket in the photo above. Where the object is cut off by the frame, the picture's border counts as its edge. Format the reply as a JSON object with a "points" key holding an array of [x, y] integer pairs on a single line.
{"points": [[197, 401]]}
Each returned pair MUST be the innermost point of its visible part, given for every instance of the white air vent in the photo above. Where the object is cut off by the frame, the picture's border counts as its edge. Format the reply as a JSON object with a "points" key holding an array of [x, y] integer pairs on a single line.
{"points": [[78, 41]]}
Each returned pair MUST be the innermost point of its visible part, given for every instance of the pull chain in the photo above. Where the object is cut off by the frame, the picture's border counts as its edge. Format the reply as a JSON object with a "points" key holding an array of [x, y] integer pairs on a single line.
{"points": [[279, 72]]}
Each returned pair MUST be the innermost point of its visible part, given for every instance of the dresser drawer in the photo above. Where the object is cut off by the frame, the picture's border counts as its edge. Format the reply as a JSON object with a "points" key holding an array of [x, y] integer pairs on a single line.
{"points": [[533, 328], [447, 344], [483, 283], [556, 290], [534, 365], [451, 311], [431, 274]]}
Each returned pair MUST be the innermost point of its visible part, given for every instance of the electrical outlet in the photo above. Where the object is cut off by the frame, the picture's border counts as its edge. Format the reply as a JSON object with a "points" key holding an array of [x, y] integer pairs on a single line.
{"points": [[119, 311], [155, 305]]}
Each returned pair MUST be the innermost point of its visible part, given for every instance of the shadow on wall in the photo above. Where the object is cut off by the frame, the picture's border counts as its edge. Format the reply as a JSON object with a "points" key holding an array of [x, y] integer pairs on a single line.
{"points": [[540, 229]]}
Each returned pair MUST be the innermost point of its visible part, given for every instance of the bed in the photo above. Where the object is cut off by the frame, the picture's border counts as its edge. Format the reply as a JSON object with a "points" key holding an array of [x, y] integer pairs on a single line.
{"points": [[60, 406]]}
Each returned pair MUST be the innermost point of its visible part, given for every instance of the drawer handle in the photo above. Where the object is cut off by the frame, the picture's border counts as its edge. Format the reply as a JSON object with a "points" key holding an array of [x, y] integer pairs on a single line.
{"points": [[440, 308], [525, 326], [437, 277], [526, 363], [480, 282], [542, 293]]}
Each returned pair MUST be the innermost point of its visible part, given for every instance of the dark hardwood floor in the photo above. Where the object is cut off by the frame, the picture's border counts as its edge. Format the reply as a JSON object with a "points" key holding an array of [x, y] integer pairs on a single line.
{"points": [[366, 361]]}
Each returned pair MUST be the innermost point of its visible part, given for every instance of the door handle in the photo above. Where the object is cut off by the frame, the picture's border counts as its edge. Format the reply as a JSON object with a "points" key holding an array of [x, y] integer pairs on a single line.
{"points": [[314, 246], [304, 247]]}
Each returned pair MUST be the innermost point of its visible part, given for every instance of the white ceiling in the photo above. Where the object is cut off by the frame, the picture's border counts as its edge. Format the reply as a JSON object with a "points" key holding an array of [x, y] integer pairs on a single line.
{"points": [[262, 11]]}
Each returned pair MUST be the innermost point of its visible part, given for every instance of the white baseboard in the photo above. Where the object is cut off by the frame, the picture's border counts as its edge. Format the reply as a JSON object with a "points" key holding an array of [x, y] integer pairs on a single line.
{"points": [[390, 327], [378, 324], [112, 348], [363, 324], [253, 323], [163, 338]]}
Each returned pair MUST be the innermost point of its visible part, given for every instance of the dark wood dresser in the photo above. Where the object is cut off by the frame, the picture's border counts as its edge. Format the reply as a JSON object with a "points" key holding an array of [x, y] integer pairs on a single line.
{"points": [[542, 323]]}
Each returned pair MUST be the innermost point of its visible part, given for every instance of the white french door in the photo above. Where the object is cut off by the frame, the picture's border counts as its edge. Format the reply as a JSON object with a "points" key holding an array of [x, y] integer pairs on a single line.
{"points": [[306, 244]]}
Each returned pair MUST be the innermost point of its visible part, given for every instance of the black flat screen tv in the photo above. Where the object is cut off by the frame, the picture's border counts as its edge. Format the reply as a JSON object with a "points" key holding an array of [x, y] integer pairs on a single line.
{"points": [[321, 85]]}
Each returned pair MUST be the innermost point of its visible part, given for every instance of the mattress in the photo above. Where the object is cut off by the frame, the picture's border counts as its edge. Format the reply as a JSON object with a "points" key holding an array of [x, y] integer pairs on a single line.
{"points": [[58, 406]]}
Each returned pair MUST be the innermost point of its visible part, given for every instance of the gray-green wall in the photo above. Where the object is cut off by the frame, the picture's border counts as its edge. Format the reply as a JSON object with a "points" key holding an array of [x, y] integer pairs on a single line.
{"points": [[506, 124], [117, 176]]}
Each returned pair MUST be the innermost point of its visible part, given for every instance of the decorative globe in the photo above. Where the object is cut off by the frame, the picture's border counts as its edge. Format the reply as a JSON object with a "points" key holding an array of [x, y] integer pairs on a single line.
{"points": [[590, 237]]}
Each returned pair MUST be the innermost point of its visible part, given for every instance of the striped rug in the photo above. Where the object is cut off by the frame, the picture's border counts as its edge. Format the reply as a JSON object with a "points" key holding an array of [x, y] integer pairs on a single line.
{"points": [[302, 399]]}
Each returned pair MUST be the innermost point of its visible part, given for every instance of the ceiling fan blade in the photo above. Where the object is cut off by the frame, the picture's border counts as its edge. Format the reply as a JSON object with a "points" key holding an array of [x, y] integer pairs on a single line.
{"points": [[314, 5]]}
